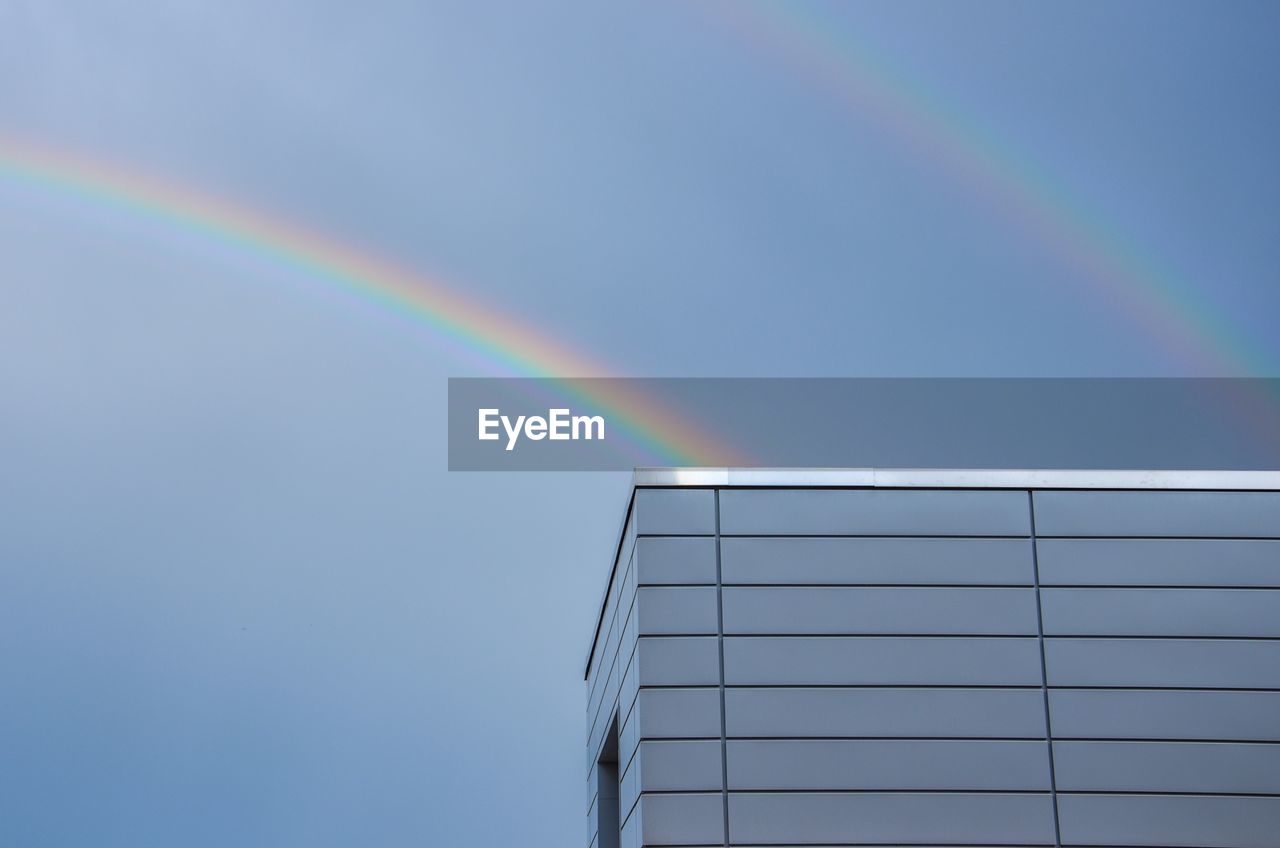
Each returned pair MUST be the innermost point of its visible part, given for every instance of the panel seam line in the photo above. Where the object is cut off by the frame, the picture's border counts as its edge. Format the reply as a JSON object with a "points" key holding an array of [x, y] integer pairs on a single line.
{"points": [[724, 741], [1044, 673]]}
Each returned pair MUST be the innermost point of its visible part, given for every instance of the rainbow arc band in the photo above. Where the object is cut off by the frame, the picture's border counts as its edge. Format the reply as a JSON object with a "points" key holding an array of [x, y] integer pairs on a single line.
{"points": [[821, 54], [456, 320]]}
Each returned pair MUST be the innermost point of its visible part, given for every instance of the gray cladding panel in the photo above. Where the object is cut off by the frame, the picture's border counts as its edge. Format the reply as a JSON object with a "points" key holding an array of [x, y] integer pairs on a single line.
{"points": [[899, 764], [882, 661], [667, 661], [679, 713], [674, 512], [1169, 820], [627, 644], [1128, 766], [885, 712], [609, 612], [601, 657], [1152, 513], [1159, 562], [682, 819], [604, 699], [1161, 612], [679, 766], [879, 610], [676, 610], [595, 693], [675, 559], [628, 742], [1118, 714], [796, 818], [1131, 663], [629, 688], [873, 512], [629, 789], [853, 560]]}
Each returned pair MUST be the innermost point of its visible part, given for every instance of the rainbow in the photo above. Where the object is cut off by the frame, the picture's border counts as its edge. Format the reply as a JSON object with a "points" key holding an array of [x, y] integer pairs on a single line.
{"points": [[458, 321], [1120, 276]]}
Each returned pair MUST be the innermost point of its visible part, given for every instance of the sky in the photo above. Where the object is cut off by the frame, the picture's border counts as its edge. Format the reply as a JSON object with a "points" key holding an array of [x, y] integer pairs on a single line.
{"points": [[242, 602]]}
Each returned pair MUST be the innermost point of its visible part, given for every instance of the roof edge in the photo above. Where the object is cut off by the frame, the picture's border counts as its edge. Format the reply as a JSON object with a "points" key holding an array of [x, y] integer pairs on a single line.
{"points": [[959, 478]]}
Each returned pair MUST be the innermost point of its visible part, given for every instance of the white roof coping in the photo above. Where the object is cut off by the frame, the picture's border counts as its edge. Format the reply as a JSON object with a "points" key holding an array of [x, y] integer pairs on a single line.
{"points": [[957, 478]]}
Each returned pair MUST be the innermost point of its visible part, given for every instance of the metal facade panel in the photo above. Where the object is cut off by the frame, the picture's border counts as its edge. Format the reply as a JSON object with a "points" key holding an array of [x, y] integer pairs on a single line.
{"points": [[1139, 714], [628, 742], [882, 661], [609, 670], [628, 690], [1136, 663], [868, 561], [878, 610], [1159, 562], [1169, 820], [680, 713], [680, 766], [602, 665], [671, 661], [626, 549], [627, 644], [631, 830], [826, 712], [674, 512], [663, 560], [871, 512], [1161, 612], [897, 764], [1129, 766], [629, 790], [682, 819], [1148, 513], [595, 703], [676, 610], [798, 818]]}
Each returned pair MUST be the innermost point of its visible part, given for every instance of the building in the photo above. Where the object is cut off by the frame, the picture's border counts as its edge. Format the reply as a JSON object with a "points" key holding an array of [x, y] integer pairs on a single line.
{"points": [[867, 657]]}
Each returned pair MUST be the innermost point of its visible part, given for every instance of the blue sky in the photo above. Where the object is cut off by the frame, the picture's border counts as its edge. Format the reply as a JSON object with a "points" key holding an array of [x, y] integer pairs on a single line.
{"points": [[242, 602]]}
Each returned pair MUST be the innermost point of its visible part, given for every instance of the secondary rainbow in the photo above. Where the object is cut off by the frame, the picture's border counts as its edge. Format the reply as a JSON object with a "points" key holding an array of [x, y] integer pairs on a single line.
{"points": [[1121, 276], [462, 322]]}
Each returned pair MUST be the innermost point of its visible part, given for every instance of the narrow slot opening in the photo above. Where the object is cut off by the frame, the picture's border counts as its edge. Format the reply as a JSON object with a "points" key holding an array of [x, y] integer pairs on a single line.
{"points": [[608, 824]]}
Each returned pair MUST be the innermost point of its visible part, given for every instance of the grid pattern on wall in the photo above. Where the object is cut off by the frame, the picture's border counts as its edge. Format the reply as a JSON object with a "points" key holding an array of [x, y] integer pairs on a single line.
{"points": [[942, 667]]}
